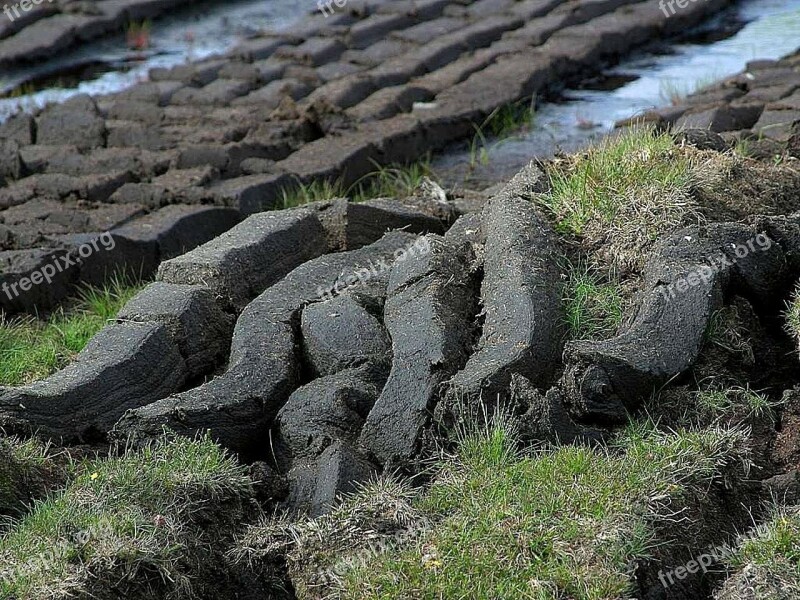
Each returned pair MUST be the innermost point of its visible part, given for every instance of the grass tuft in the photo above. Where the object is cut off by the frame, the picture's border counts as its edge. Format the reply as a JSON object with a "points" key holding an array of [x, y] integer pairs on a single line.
{"points": [[675, 92], [396, 181], [766, 564], [316, 191], [593, 305], [502, 124], [623, 194], [792, 316], [31, 349], [742, 403], [393, 181]]}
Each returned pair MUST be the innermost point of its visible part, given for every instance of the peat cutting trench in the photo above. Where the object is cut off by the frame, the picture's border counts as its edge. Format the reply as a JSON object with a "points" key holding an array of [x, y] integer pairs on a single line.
{"points": [[328, 343]]}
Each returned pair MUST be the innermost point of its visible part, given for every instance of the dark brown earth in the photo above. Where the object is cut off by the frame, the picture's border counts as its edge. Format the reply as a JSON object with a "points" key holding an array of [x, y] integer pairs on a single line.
{"points": [[173, 162]]}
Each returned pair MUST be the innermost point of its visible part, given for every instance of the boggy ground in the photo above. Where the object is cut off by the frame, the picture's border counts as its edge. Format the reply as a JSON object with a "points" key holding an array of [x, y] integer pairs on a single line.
{"points": [[584, 389], [175, 161]]}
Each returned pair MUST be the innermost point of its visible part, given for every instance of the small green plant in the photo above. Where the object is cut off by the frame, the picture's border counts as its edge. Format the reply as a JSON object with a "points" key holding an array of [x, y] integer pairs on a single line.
{"points": [[792, 315], [31, 349], [742, 148], [510, 119], [478, 149], [593, 306], [502, 124], [394, 181]]}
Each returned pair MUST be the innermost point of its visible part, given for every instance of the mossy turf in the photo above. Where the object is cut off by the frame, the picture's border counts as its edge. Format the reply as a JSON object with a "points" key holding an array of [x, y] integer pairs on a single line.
{"points": [[31, 348], [137, 521]]}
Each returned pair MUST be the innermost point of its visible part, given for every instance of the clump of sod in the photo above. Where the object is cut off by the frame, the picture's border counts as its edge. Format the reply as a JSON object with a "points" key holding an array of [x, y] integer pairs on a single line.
{"points": [[623, 194], [564, 521], [620, 196], [31, 349], [766, 565], [146, 524], [316, 553]]}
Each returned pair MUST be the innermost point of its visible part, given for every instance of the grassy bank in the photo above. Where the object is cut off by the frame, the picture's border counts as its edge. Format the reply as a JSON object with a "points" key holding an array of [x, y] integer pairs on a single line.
{"points": [[144, 524], [32, 349], [561, 522]]}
